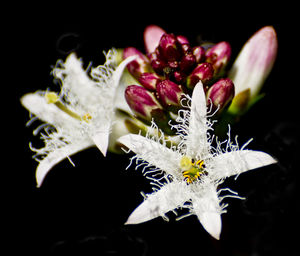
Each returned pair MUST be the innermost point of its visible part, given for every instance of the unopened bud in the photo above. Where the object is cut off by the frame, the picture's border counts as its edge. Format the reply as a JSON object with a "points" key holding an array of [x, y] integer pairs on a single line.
{"points": [[188, 62], [149, 80], [255, 61], [152, 35], [203, 72], [182, 40], [169, 94], [179, 76], [139, 65], [169, 47], [219, 55], [186, 48], [156, 62], [220, 94], [141, 102], [199, 53]]}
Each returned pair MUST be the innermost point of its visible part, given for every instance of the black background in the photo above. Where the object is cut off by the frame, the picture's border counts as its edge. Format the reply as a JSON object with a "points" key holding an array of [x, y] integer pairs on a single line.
{"points": [[82, 209]]}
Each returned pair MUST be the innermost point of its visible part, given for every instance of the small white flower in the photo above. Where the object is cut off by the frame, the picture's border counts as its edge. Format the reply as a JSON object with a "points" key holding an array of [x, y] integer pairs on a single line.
{"points": [[187, 175], [82, 113]]}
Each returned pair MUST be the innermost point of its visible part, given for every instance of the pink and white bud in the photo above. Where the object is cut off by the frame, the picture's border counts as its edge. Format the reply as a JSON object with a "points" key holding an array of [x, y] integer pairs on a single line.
{"points": [[219, 55], [203, 72], [220, 94], [141, 102], [186, 48], [182, 40], [255, 61], [169, 94], [138, 66], [199, 53], [149, 80], [152, 35]]}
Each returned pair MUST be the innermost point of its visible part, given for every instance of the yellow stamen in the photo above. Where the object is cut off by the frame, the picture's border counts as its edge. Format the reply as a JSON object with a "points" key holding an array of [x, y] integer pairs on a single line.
{"points": [[52, 98], [199, 163], [191, 170]]}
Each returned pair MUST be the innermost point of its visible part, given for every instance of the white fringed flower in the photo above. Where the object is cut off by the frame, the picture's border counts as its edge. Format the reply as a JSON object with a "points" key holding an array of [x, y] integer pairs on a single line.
{"points": [[82, 113], [187, 175]]}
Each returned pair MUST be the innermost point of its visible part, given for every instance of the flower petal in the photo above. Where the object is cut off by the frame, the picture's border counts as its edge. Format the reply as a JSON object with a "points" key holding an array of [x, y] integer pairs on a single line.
{"points": [[101, 125], [206, 207], [212, 223], [119, 71], [196, 140], [76, 83], [57, 156], [101, 140], [153, 152], [120, 101], [49, 113], [199, 101], [236, 162], [169, 197]]}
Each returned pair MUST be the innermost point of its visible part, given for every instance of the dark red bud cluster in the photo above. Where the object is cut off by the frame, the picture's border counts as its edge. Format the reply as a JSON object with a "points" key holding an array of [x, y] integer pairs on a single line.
{"points": [[172, 69], [173, 57]]}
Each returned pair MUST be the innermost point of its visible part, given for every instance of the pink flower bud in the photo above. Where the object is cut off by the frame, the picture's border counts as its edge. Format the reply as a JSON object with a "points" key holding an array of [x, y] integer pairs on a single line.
{"points": [[203, 72], [219, 55], [199, 53], [255, 61], [141, 101], [139, 65], [182, 40], [152, 35], [169, 94], [220, 94], [169, 47], [188, 62], [149, 80]]}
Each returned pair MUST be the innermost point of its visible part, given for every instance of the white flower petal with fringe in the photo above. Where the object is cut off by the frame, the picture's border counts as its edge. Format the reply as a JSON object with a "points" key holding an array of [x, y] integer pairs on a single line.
{"points": [[187, 175], [81, 115]]}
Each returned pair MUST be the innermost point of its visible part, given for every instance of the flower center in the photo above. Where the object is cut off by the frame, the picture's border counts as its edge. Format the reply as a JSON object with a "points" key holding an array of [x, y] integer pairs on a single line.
{"points": [[52, 98], [191, 169]]}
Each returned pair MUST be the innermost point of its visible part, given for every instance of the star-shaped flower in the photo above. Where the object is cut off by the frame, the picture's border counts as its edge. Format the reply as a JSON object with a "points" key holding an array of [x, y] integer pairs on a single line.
{"points": [[82, 114], [188, 175]]}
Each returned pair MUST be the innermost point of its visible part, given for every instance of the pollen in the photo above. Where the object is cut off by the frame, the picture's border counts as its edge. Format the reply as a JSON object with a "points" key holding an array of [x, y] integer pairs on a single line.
{"points": [[186, 163], [192, 169], [87, 117]]}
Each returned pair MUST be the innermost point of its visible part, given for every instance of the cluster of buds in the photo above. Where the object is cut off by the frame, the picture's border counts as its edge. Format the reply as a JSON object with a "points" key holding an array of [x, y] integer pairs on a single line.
{"points": [[170, 69]]}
